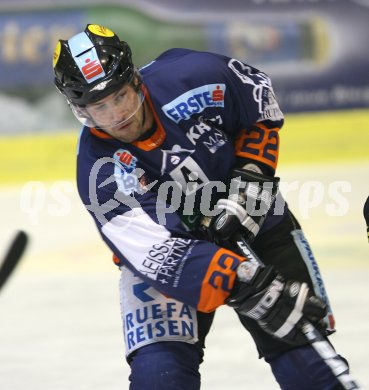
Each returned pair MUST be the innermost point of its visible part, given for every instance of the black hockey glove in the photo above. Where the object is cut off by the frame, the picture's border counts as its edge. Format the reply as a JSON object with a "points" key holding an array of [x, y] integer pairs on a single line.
{"points": [[276, 304], [251, 195]]}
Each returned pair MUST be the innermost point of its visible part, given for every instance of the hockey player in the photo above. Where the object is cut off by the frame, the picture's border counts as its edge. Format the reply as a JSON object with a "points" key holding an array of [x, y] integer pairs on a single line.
{"points": [[192, 134]]}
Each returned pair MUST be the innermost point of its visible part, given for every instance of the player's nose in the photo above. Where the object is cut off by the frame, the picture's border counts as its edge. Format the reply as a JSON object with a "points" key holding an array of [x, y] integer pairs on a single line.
{"points": [[118, 115]]}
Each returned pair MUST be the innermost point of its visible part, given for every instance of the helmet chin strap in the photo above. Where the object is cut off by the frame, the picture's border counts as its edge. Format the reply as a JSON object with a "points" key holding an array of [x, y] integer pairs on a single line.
{"points": [[143, 114], [151, 130]]}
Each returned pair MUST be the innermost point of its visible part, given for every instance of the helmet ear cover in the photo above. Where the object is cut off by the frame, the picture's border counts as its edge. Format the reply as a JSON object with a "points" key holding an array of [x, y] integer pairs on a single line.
{"points": [[115, 58]]}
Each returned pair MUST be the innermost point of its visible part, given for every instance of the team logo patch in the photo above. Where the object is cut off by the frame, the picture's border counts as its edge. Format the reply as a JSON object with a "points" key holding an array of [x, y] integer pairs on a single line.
{"points": [[124, 172], [195, 101], [91, 69], [100, 30], [126, 159], [86, 57]]}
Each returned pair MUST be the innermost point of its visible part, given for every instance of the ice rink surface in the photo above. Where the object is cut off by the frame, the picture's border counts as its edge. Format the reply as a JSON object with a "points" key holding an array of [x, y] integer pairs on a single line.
{"points": [[60, 326]]}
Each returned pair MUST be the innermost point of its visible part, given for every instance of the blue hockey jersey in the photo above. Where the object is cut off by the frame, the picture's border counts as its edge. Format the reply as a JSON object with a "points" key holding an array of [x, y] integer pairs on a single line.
{"points": [[209, 110]]}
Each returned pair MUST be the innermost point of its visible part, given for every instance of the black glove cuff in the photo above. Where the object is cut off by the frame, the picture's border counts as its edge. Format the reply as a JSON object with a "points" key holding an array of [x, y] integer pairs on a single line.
{"points": [[262, 278]]}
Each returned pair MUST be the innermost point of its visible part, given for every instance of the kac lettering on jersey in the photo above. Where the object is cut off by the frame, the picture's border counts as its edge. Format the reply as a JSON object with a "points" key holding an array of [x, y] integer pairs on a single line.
{"points": [[214, 138], [127, 180], [195, 101]]}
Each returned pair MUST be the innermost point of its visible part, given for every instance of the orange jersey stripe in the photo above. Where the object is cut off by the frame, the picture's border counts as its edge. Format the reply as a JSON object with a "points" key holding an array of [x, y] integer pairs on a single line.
{"points": [[116, 259], [219, 280], [156, 139], [100, 134]]}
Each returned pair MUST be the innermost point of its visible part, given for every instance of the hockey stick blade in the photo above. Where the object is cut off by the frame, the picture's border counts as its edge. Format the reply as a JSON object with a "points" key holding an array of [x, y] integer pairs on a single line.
{"points": [[12, 257], [366, 215], [337, 365]]}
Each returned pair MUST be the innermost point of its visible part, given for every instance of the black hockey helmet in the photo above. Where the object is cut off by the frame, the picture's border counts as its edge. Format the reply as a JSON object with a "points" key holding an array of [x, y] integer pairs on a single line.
{"points": [[92, 65]]}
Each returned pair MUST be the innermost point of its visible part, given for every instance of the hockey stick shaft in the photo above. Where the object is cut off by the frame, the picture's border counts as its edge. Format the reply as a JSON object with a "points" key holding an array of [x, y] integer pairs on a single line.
{"points": [[339, 368], [12, 256], [323, 348]]}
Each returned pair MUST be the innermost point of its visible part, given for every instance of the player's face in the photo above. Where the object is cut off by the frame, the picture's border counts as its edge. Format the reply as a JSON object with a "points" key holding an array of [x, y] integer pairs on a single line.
{"points": [[122, 114]]}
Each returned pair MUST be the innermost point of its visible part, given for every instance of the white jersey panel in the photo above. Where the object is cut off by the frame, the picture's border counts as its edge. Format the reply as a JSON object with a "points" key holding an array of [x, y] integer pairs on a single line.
{"points": [[134, 233]]}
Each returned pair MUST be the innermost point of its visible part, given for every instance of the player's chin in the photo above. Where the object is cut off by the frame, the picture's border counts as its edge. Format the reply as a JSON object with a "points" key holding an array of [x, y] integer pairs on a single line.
{"points": [[127, 136], [125, 133]]}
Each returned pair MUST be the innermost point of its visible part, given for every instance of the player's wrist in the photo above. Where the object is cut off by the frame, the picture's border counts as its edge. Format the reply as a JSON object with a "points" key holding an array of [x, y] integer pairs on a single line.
{"points": [[251, 279]]}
